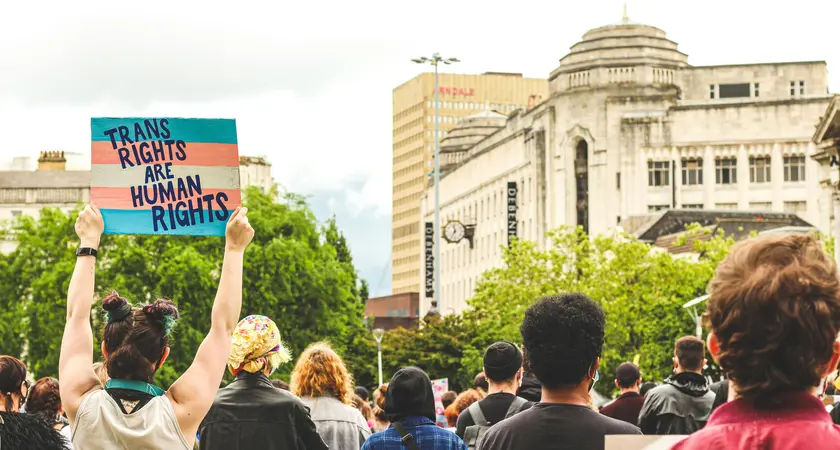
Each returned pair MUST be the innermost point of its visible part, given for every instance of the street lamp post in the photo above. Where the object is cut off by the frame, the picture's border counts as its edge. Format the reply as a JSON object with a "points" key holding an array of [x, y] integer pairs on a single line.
{"points": [[698, 318], [378, 333], [435, 60]]}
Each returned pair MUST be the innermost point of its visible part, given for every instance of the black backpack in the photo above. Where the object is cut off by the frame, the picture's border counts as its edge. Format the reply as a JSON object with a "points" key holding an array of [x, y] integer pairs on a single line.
{"points": [[474, 434]]}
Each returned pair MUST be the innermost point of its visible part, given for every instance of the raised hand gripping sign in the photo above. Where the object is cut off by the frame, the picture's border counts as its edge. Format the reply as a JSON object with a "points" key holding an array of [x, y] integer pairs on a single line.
{"points": [[164, 175]]}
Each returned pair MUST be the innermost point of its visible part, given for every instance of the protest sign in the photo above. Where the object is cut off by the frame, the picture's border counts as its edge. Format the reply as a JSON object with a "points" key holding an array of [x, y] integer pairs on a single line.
{"points": [[439, 387], [164, 175], [650, 442]]}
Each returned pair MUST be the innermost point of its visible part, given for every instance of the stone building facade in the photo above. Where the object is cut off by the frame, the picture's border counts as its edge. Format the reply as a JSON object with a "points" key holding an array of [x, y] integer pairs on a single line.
{"points": [[630, 128]]}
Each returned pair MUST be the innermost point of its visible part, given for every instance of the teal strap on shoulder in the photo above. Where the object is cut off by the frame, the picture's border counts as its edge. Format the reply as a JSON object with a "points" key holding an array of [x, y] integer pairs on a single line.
{"points": [[133, 385]]}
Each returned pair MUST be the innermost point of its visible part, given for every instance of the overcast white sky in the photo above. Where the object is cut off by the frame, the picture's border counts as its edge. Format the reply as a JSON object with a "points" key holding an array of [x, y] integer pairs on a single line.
{"points": [[310, 82]]}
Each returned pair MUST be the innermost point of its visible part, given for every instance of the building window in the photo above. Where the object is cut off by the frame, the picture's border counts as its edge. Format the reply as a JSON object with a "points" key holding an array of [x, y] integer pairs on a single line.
{"points": [[797, 207], [736, 90], [712, 91], [726, 206], [794, 168], [801, 88], [692, 171], [16, 213], [755, 90], [726, 171], [693, 206], [655, 208], [618, 180], [761, 206], [659, 173], [759, 169]]}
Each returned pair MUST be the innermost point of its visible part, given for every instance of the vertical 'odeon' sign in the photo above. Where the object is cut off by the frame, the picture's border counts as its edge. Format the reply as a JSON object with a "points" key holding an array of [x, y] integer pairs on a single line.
{"points": [[430, 259], [512, 192]]}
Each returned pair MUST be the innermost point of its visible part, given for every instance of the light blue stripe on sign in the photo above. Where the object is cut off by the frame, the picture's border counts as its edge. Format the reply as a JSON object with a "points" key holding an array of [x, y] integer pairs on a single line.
{"points": [[140, 221], [216, 131]]}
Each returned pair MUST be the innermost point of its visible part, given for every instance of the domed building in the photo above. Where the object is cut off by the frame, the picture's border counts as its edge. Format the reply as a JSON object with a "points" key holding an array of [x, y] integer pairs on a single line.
{"points": [[630, 128]]}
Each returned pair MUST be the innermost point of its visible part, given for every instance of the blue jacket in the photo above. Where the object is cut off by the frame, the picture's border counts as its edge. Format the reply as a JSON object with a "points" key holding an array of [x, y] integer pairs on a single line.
{"points": [[427, 435]]}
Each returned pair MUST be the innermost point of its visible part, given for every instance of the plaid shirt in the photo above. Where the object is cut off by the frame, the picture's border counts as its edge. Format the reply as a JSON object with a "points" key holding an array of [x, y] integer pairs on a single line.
{"points": [[427, 435]]}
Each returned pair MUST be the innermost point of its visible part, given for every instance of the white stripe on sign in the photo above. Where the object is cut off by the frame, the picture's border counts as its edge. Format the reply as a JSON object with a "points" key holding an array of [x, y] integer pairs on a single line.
{"points": [[114, 176]]}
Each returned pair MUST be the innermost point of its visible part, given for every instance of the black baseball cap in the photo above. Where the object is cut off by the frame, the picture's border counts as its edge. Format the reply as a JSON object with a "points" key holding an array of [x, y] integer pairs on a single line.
{"points": [[501, 361]]}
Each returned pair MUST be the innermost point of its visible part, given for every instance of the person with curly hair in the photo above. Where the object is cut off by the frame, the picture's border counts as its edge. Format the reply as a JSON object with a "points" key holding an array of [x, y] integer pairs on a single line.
{"points": [[322, 381], [563, 337], [774, 318], [250, 412], [380, 419], [131, 411], [23, 431], [45, 401]]}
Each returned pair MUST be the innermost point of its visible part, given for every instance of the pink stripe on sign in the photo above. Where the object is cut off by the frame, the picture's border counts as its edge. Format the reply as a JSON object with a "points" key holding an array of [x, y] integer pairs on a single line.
{"points": [[188, 154], [121, 198]]}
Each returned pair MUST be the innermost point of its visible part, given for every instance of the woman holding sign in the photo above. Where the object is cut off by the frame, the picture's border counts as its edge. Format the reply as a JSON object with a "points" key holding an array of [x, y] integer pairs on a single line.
{"points": [[131, 412]]}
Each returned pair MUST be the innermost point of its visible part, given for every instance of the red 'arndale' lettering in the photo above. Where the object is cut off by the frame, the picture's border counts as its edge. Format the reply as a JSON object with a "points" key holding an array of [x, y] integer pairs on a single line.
{"points": [[456, 91]]}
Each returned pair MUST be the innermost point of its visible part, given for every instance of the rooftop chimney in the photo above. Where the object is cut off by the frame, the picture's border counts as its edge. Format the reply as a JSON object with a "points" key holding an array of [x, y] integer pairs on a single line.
{"points": [[52, 161]]}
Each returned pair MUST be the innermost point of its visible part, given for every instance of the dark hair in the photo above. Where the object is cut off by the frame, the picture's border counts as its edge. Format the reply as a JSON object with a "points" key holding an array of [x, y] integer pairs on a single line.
{"points": [[379, 403], [526, 366], [448, 398], [774, 307], [690, 352], [136, 337], [627, 374], [362, 392], [646, 387], [12, 375], [480, 382], [44, 399], [562, 337], [280, 384]]}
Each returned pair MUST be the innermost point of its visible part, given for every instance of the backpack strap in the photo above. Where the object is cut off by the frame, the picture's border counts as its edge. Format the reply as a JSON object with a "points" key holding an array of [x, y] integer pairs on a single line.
{"points": [[407, 438], [477, 415], [515, 407]]}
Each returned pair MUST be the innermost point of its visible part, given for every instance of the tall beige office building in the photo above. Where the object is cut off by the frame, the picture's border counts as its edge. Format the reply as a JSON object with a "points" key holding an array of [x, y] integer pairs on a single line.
{"points": [[459, 96]]}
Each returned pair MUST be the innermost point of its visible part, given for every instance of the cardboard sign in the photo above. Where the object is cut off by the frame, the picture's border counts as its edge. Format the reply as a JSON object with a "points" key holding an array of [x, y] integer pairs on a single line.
{"points": [[439, 387], [164, 175], [631, 442]]}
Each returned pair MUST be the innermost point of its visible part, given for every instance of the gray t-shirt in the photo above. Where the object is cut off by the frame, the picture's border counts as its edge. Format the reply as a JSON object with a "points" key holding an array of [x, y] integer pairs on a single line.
{"points": [[555, 426]]}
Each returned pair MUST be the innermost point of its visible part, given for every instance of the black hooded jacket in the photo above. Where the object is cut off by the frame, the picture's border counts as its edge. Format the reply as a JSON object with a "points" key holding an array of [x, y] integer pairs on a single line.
{"points": [[531, 388], [682, 405], [28, 432], [410, 395]]}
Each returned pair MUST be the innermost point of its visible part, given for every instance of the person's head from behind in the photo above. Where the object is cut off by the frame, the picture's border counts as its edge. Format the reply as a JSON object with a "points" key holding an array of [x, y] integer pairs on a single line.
{"points": [[451, 414], [135, 341], [363, 406], [448, 398], [689, 355], [774, 314], [628, 378], [410, 394], [502, 365], [379, 396], [45, 400], [646, 387], [256, 347], [320, 372], [563, 337], [480, 382], [13, 385], [465, 399], [362, 393]]}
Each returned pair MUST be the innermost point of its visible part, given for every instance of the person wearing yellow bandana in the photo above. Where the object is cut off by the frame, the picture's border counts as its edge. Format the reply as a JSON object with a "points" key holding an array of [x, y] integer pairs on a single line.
{"points": [[250, 412]]}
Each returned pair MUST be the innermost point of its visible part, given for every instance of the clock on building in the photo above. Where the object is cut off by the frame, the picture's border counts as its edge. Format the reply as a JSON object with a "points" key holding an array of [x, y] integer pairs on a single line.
{"points": [[454, 231]]}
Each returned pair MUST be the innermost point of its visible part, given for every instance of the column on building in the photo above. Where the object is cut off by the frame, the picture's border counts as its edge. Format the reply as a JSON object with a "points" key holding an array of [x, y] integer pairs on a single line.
{"points": [[676, 178], [777, 176], [812, 177], [743, 174], [836, 210], [708, 178]]}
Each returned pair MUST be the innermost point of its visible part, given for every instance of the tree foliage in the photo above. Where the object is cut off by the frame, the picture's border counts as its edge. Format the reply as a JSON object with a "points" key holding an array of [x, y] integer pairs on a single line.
{"points": [[297, 272]]}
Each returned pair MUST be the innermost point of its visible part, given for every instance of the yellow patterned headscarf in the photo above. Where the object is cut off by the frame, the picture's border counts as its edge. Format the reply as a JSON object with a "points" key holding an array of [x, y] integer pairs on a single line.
{"points": [[256, 343]]}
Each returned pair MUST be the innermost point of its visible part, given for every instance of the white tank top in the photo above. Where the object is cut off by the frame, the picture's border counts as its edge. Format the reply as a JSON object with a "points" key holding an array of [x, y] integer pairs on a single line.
{"points": [[101, 424]]}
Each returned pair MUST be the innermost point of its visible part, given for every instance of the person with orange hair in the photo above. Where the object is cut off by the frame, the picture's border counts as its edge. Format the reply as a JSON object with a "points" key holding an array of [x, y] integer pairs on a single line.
{"points": [[322, 381]]}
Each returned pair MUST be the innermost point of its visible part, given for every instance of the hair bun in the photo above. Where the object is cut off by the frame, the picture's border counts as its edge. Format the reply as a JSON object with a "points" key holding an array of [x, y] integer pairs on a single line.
{"points": [[116, 307], [164, 312]]}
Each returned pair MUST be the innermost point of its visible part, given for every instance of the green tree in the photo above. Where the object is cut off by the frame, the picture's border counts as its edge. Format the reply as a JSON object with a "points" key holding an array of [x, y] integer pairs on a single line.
{"points": [[296, 272]]}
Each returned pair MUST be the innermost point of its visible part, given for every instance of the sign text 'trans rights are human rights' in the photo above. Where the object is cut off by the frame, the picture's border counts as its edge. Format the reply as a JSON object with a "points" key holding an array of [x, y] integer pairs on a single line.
{"points": [[165, 175]]}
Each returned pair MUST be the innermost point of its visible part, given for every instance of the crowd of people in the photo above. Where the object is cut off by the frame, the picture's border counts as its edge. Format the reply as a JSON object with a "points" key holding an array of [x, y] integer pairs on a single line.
{"points": [[773, 318]]}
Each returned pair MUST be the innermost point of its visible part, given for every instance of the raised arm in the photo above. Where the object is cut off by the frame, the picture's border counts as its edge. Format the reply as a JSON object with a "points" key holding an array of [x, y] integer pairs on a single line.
{"points": [[193, 393], [75, 364]]}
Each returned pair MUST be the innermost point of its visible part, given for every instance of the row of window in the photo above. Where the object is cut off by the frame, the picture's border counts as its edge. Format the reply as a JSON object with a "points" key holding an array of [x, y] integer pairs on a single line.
{"points": [[405, 246], [411, 198], [484, 247], [412, 169], [726, 170], [412, 213], [408, 126], [408, 112], [474, 105], [406, 230], [794, 207], [493, 206], [403, 142], [746, 90], [408, 155]]}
